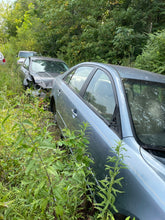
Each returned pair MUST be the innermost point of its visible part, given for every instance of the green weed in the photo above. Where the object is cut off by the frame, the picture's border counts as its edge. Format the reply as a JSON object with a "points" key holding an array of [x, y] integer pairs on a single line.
{"points": [[40, 179], [109, 187]]}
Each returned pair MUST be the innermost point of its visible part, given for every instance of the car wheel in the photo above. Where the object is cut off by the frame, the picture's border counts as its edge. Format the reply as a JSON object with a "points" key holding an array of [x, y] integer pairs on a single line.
{"points": [[53, 108]]}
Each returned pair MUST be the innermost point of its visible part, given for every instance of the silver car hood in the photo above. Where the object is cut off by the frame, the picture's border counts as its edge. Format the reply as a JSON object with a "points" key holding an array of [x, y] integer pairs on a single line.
{"points": [[157, 163], [44, 79], [46, 74]]}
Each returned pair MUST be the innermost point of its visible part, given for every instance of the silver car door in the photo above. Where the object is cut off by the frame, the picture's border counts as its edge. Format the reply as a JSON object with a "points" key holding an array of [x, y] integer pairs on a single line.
{"points": [[68, 94]]}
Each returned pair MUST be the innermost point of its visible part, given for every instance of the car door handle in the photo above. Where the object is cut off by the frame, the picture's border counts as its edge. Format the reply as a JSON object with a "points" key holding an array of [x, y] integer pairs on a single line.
{"points": [[74, 113], [58, 92]]}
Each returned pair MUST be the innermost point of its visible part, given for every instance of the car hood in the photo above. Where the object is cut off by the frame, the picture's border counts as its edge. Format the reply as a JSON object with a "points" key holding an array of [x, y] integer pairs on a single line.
{"points": [[157, 163], [44, 79], [46, 75]]}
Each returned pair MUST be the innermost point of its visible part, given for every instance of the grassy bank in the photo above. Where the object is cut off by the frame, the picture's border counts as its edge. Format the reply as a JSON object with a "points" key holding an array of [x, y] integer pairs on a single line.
{"points": [[39, 178]]}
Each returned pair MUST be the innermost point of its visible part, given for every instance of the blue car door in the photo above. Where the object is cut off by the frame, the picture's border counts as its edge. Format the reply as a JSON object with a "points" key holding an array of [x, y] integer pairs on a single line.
{"points": [[97, 106], [68, 94]]}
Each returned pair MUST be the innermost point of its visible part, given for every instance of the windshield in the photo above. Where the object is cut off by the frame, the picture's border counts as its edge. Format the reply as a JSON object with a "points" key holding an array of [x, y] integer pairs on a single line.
{"points": [[26, 54], [49, 66], [147, 106]]}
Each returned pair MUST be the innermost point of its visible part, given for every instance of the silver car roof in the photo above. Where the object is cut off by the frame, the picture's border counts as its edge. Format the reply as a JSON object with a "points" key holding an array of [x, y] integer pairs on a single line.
{"points": [[123, 72], [133, 73]]}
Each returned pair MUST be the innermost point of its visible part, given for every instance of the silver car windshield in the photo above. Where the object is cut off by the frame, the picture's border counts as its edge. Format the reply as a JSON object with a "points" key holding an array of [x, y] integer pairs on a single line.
{"points": [[49, 66], [26, 54], [146, 101]]}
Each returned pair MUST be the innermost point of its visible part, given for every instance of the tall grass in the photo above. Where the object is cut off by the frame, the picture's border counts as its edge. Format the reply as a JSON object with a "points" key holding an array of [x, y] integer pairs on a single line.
{"points": [[9, 79], [39, 177]]}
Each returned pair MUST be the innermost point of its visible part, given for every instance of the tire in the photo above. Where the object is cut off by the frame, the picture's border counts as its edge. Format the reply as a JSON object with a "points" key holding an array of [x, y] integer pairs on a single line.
{"points": [[53, 109], [52, 106]]}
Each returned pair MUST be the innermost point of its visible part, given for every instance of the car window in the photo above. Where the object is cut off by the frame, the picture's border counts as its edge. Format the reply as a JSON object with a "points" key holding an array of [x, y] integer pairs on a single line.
{"points": [[26, 63], [50, 66], [77, 77], [99, 94]]}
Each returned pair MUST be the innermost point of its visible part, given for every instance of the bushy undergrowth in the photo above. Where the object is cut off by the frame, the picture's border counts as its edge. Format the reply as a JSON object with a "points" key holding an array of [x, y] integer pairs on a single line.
{"points": [[39, 176], [152, 57], [10, 80], [40, 179]]}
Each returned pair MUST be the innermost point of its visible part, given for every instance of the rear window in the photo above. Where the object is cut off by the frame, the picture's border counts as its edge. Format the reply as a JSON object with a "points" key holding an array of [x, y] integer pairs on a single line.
{"points": [[27, 54]]}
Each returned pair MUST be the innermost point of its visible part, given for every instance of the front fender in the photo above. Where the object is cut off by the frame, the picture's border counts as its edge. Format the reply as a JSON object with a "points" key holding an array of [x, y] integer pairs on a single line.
{"points": [[27, 80]]}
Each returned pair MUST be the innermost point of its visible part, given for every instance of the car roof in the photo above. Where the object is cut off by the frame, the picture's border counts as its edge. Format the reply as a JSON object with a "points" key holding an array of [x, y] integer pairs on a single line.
{"points": [[124, 72], [46, 58], [134, 73]]}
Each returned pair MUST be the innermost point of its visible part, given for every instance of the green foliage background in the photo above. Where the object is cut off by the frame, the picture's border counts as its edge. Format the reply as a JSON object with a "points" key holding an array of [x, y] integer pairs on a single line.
{"points": [[113, 31], [153, 56]]}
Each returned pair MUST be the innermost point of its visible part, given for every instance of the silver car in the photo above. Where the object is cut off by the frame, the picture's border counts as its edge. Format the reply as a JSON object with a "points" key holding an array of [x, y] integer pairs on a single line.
{"points": [[119, 104], [2, 59], [40, 72]]}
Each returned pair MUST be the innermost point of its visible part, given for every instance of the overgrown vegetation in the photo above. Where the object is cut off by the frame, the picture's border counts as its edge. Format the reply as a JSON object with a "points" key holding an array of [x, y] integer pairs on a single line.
{"points": [[46, 181], [39, 176], [153, 55], [115, 31], [107, 190]]}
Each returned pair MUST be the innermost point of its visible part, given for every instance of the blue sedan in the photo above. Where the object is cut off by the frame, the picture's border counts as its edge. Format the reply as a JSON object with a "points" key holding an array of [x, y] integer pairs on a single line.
{"points": [[119, 104]]}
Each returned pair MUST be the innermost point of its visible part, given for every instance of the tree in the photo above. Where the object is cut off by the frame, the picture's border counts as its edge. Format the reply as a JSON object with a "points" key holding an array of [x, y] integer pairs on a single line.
{"points": [[153, 55], [113, 31], [27, 32]]}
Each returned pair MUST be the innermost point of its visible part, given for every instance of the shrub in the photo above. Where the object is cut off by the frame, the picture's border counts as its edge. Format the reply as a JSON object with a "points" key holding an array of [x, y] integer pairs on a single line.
{"points": [[40, 179], [153, 55]]}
